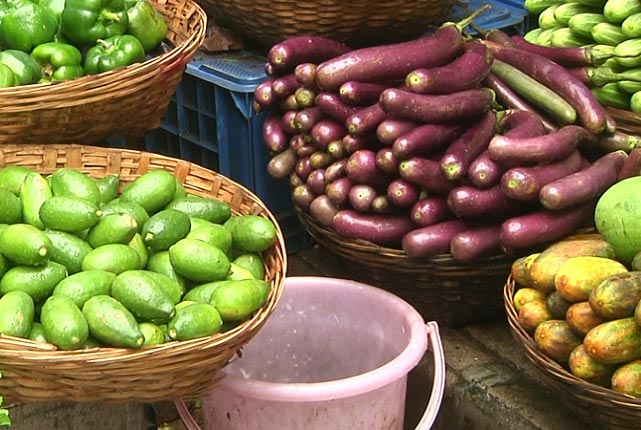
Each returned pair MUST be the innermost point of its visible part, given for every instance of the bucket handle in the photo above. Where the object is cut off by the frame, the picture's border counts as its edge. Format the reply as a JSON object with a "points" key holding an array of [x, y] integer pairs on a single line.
{"points": [[433, 405], [438, 385]]}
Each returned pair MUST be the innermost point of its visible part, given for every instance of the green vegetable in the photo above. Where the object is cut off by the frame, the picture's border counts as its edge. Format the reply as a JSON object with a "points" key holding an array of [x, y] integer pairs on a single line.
{"points": [[25, 69], [54, 6], [7, 78], [26, 26], [112, 53], [59, 61], [147, 24], [84, 22]]}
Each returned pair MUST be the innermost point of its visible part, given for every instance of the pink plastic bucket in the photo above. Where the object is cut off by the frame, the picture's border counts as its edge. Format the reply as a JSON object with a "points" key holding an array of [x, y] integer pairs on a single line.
{"points": [[335, 354]]}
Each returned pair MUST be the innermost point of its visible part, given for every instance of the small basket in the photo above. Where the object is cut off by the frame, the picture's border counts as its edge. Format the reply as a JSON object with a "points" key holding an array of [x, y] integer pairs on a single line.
{"points": [[599, 407], [441, 288], [37, 372], [357, 23], [126, 102]]}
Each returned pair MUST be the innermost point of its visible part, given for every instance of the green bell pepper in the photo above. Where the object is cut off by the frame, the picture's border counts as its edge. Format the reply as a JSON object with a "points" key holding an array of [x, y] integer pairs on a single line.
{"points": [[59, 61], [25, 68], [54, 6], [83, 22], [112, 53], [26, 26], [7, 77], [146, 23]]}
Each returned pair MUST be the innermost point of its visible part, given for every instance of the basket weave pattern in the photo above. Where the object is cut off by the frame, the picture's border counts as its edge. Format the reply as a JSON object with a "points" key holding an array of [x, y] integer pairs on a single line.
{"points": [[37, 372], [598, 407], [440, 288], [126, 102], [356, 22]]}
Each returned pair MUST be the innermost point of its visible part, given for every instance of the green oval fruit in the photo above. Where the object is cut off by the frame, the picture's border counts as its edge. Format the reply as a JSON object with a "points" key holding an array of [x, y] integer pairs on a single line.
{"points": [[138, 244], [152, 333], [113, 228], [12, 177], [165, 228], [82, 286], [152, 190], [253, 262], [114, 257], [108, 187], [69, 214], [37, 333], [16, 313], [252, 233], [237, 300], [37, 281], [135, 210], [111, 322], [159, 262], [193, 321], [216, 234], [70, 182], [25, 244], [617, 217], [142, 295], [35, 190], [202, 293], [67, 249], [199, 261], [64, 324], [10, 207], [212, 210]]}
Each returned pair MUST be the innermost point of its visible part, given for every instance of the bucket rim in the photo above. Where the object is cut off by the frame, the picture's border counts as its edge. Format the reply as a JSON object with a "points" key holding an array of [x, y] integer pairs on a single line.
{"points": [[351, 386]]}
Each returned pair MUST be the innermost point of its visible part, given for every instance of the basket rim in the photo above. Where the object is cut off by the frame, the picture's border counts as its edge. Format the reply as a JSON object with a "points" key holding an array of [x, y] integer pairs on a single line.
{"points": [[32, 351], [554, 369]]}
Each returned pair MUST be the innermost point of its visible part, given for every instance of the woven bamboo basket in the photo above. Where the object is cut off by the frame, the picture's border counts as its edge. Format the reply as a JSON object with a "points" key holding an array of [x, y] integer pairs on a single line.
{"points": [[439, 287], [126, 102], [357, 22], [37, 372], [599, 407]]}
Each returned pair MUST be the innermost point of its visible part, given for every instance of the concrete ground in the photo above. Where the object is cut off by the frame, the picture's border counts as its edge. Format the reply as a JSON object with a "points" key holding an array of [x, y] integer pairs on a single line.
{"points": [[490, 384]]}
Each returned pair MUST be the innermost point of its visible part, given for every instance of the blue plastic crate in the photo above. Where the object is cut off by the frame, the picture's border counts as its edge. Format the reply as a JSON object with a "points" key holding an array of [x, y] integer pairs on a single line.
{"points": [[211, 122], [508, 15]]}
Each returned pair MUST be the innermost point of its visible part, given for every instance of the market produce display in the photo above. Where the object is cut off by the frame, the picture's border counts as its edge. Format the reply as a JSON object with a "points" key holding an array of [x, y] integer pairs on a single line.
{"points": [[87, 262], [580, 298], [55, 40], [607, 30], [472, 146]]}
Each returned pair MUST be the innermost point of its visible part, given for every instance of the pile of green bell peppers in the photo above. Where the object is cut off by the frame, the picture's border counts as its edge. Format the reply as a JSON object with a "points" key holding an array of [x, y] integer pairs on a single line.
{"points": [[59, 40]]}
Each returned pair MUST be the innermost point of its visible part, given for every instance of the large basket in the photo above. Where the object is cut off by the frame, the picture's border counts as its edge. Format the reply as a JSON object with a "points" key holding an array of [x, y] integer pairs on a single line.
{"points": [[599, 407], [439, 287], [36, 372], [127, 102], [357, 22]]}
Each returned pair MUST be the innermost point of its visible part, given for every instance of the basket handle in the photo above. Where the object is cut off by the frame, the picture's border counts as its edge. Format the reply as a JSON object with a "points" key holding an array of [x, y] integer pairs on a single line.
{"points": [[438, 385]]}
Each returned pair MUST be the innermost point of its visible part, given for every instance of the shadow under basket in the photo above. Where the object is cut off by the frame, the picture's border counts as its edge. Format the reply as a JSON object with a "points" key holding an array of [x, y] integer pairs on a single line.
{"points": [[600, 408], [35, 372], [442, 289]]}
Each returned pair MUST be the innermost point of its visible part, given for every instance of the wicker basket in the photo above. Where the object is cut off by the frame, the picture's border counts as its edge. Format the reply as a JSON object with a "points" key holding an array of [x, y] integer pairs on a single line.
{"points": [[36, 372], [126, 102], [440, 288], [598, 407], [357, 22]]}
